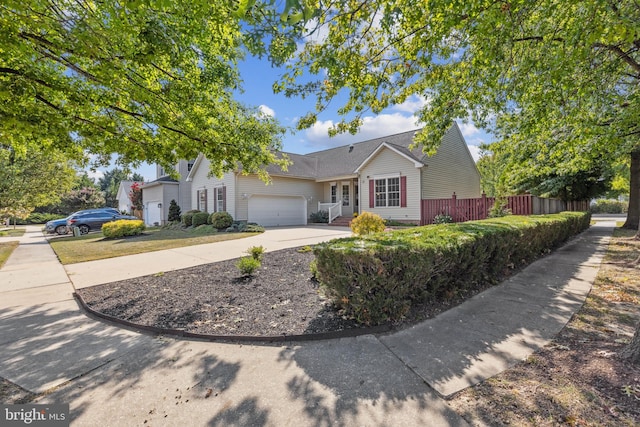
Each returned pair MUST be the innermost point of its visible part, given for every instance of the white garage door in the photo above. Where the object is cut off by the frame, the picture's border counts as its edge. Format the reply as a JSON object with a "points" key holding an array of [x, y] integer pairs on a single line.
{"points": [[153, 213], [272, 211]]}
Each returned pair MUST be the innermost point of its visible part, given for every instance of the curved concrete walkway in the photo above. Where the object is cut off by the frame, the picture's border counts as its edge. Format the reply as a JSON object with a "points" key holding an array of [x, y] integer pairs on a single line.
{"points": [[116, 377]]}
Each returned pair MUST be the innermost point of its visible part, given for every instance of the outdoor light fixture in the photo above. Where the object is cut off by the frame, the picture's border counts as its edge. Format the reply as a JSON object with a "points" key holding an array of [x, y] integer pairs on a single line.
{"points": [[159, 205]]}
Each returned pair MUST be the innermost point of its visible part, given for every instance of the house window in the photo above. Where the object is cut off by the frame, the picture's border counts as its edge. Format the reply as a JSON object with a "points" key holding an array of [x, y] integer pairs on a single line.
{"points": [[190, 165], [334, 193], [220, 199], [202, 200], [345, 194], [387, 192]]}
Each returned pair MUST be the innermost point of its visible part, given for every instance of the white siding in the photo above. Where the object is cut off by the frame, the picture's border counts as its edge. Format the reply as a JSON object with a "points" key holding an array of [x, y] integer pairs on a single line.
{"points": [[450, 170], [250, 185], [201, 181], [389, 162]]}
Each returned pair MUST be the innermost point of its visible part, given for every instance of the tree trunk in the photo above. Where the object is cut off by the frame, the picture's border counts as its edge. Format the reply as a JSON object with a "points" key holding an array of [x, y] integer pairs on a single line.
{"points": [[632, 351], [633, 216]]}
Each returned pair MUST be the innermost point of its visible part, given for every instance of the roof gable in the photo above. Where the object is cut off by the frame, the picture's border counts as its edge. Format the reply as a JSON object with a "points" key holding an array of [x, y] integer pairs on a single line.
{"points": [[401, 151]]}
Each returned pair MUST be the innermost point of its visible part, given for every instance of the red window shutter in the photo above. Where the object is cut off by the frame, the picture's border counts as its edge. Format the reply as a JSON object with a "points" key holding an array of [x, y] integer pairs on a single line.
{"points": [[224, 198], [372, 193], [403, 191]]}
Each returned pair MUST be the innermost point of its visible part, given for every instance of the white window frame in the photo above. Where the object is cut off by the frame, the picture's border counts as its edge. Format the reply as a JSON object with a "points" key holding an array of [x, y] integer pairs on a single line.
{"points": [[219, 199], [378, 201]]}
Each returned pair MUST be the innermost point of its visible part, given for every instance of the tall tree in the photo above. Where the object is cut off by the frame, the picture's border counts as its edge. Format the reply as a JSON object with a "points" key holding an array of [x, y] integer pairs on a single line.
{"points": [[148, 80], [109, 184], [554, 78], [31, 180]]}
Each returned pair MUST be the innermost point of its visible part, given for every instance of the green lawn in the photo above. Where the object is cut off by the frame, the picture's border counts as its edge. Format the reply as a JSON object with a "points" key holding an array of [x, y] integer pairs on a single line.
{"points": [[91, 247], [5, 251], [12, 232]]}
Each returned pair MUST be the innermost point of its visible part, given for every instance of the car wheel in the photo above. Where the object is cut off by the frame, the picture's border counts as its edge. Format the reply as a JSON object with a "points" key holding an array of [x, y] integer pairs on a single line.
{"points": [[84, 229], [61, 229]]}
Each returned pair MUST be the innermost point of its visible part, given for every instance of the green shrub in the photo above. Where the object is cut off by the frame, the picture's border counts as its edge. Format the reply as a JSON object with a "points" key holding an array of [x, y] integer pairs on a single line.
{"points": [[442, 219], [41, 218], [122, 228], [174, 211], [187, 218], [256, 252], [253, 228], [199, 218], [320, 217], [248, 265], [609, 207], [313, 266], [377, 278], [367, 223], [221, 220]]}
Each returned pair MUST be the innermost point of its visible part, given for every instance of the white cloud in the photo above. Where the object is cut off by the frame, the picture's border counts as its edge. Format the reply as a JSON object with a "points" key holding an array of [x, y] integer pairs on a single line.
{"points": [[468, 129], [267, 111], [412, 104], [317, 137], [95, 174]]}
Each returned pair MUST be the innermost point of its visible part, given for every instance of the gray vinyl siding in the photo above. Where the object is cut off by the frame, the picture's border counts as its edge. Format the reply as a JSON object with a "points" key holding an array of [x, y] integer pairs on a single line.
{"points": [[389, 162], [201, 181], [280, 186], [450, 170]]}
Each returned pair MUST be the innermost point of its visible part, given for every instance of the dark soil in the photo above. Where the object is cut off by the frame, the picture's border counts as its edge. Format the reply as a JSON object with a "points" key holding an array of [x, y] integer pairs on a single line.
{"points": [[281, 298]]}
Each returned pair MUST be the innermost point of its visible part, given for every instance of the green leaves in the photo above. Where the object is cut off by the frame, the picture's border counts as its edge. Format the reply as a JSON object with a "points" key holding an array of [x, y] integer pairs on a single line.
{"points": [[148, 80]]}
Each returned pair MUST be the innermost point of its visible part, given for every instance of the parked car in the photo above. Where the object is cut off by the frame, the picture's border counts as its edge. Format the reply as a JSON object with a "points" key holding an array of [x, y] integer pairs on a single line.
{"points": [[59, 226], [92, 220]]}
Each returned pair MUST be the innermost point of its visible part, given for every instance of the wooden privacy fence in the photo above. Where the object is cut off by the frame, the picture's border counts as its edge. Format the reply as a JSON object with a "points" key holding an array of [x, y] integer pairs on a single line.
{"points": [[462, 210]]}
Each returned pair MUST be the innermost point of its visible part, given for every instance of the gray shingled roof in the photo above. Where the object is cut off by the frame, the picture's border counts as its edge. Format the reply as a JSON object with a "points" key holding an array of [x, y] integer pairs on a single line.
{"points": [[343, 161]]}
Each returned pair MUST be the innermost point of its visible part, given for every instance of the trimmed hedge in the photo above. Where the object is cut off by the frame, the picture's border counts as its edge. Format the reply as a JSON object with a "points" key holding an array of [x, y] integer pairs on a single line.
{"points": [[122, 228], [221, 220], [199, 218], [375, 279], [187, 218]]}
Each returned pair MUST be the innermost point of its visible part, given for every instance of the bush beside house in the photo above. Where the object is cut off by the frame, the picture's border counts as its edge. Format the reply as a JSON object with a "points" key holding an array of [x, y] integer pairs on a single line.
{"points": [[376, 279]]}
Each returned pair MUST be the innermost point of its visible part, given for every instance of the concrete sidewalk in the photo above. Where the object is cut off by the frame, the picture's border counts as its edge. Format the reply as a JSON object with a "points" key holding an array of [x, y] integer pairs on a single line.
{"points": [[111, 376]]}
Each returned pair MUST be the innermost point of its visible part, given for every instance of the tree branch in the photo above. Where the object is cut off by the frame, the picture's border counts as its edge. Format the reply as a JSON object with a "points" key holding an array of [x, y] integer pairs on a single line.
{"points": [[621, 54]]}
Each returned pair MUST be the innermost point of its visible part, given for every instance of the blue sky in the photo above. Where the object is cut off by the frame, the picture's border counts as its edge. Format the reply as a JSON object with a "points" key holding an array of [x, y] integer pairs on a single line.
{"points": [[258, 78]]}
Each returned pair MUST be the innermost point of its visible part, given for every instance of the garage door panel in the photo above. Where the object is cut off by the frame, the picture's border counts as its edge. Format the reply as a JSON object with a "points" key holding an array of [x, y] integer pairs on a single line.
{"points": [[277, 210]]}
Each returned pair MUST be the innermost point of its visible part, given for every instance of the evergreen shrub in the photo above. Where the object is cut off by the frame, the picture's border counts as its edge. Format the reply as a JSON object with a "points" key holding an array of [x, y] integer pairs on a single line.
{"points": [[199, 218], [221, 220], [187, 218], [377, 278]]}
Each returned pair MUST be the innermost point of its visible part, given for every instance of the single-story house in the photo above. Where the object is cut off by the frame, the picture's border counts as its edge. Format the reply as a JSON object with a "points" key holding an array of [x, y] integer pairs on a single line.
{"points": [[381, 175]]}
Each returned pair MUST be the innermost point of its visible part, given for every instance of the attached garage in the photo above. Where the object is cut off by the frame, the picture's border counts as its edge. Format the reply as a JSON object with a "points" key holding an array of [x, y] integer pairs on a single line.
{"points": [[153, 213], [271, 211]]}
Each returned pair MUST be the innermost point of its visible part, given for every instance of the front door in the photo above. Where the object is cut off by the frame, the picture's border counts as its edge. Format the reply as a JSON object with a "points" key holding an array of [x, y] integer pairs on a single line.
{"points": [[347, 198]]}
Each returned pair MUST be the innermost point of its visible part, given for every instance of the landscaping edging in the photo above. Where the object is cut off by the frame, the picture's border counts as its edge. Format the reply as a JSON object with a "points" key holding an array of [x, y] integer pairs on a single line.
{"points": [[179, 333]]}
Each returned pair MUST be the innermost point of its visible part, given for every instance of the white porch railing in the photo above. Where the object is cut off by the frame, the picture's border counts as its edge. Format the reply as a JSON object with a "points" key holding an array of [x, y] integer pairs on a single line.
{"points": [[334, 209]]}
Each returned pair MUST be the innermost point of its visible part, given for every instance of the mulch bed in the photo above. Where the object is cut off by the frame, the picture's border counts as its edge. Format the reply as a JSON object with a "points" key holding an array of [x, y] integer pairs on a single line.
{"points": [[280, 299]]}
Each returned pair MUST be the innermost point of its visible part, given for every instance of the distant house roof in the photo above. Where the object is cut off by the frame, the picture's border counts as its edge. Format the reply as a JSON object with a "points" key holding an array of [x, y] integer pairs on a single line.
{"points": [[124, 188], [160, 181], [346, 160]]}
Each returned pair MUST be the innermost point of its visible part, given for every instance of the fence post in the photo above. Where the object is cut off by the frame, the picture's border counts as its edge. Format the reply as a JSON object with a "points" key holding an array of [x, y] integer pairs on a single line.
{"points": [[453, 206], [483, 206]]}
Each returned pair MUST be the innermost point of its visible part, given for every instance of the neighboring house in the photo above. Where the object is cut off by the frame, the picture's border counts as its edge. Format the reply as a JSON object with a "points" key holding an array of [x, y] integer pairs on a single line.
{"points": [[157, 194], [122, 196], [381, 175]]}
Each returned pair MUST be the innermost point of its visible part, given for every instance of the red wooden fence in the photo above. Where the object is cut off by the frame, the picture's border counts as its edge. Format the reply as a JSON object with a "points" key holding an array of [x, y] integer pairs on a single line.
{"points": [[462, 210]]}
